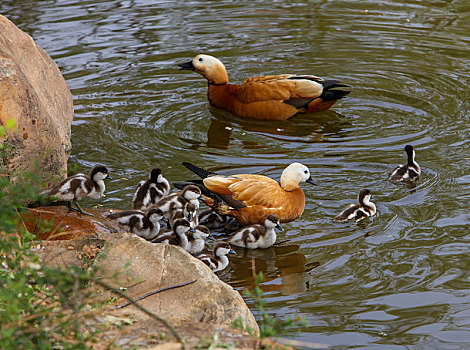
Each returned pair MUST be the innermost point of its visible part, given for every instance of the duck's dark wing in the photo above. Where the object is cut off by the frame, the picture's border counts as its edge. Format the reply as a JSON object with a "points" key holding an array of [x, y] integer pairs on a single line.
{"points": [[348, 213], [203, 173], [398, 173]]}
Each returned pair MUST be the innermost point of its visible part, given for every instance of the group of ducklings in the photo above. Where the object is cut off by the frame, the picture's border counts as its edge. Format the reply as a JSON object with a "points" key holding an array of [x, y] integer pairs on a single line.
{"points": [[155, 207]]}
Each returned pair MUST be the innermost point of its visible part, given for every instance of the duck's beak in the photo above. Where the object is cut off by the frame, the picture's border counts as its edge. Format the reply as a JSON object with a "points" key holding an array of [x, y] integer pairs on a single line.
{"points": [[232, 251], [279, 227], [108, 177], [310, 181], [188, 65], [190, 217], [192, 230]]}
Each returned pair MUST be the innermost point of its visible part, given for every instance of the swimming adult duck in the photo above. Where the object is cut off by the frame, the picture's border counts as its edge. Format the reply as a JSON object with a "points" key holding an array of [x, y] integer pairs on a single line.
{"points": [[251, 198], [265, 97], [408, 171], [359, 211], [75, 187]]}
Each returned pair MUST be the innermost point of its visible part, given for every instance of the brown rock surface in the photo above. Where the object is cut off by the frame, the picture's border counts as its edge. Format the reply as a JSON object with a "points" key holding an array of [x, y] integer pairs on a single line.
{"points": [[33, 91], [127, 261]]}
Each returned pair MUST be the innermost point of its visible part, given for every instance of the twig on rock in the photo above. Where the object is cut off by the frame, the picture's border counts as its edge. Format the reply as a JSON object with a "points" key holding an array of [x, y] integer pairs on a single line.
{"points": [[141, 308], [155, 292]]}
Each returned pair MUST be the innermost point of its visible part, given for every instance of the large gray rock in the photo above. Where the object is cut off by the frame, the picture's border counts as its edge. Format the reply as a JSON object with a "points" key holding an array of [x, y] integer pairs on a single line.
{"points": [[33, 91], [208, 300]]}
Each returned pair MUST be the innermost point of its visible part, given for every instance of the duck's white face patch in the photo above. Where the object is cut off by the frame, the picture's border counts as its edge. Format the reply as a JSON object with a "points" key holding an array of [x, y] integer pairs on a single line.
{"points": [[189, 195], [99, 176]]}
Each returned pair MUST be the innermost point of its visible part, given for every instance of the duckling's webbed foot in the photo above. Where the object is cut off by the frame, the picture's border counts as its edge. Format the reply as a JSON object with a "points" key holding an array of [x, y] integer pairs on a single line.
{"points": [[80, 210]]}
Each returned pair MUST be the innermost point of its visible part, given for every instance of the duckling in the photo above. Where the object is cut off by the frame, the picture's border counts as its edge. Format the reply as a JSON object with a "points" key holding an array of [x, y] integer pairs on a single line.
{"points": [[190, 194], [215, 221], [257, 236], [78, 186], [151, 191], [251, 198], [189, 212], [143, 225], [408, 171], [196, 241], [218, 261], [177, 236], [359, 211], [265, 97]]}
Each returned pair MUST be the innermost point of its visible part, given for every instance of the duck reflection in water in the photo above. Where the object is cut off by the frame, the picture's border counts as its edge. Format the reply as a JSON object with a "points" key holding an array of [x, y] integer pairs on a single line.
{"points": [[285, 262], [220, 130]]}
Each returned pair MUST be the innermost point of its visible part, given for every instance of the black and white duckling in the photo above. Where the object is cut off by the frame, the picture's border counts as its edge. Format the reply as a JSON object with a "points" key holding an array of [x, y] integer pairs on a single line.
{"points": [[188, 212], [196, 241], [177, 236], [143, 225], [151, 191], [215, 221], [190, 194], [218, 260], [408, 171], [75, 187], [257, 236], [359, 211]]}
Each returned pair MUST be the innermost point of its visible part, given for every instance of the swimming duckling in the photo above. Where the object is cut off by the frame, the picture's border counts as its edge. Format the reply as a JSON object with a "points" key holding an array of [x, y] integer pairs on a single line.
{"points": [[408, 171], [80, 185], [251, 198], [218, 261], [143, 225], [177, 236], [151, 191], [215, 221], [359, 211], [190, 194], [257, 236], [265, 97], [196, 241]]}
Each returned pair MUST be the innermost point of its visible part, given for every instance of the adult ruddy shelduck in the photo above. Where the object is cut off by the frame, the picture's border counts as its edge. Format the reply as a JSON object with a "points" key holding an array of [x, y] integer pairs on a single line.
{"points": [[267, 96], [251, 198]]}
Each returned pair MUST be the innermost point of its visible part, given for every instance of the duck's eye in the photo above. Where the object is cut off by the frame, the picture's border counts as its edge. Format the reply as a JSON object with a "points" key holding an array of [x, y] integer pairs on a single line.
{"points": [[305, 172], [200, 59]]}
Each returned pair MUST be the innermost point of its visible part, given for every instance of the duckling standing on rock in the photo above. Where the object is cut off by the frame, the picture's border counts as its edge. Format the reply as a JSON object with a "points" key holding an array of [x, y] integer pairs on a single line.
{"points": [[257, 236], [151, 191], [178, 236], [143, 225], [251, 198], [78, 186], [196, 241], [359, 211], [408, 171], [190, 194], [218, 261], [265, 97]]}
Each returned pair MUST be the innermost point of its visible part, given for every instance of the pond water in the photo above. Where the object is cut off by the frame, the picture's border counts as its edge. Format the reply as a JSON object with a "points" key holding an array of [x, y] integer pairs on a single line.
{"points": [[399, 280]]}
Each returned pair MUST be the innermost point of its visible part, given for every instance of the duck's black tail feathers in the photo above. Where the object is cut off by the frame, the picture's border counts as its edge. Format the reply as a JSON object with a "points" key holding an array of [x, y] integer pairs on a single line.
{"points": [[330, 95], [202, 173]]}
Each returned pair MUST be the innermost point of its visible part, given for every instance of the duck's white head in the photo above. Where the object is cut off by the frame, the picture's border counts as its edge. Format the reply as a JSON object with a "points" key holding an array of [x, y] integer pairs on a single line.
{"points": [[222, 248], [272, 221], [155, 175], [201, 232], [364, 197], [155, 215], [181, 226], [191, 192], [99, 173], [295, 174], [209, 67]]}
